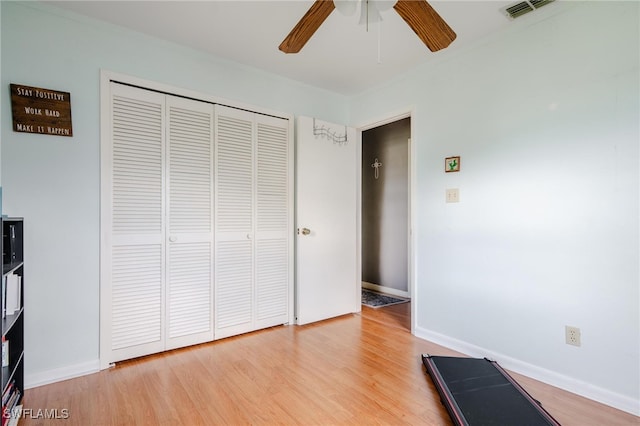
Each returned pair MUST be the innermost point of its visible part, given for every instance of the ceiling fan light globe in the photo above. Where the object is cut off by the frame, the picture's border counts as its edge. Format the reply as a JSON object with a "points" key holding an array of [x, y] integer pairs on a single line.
{"points": [[346, 7]]}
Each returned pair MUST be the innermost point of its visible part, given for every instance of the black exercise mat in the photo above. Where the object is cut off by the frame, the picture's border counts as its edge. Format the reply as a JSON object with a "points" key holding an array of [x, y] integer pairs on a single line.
{"points": [[478, 392]]}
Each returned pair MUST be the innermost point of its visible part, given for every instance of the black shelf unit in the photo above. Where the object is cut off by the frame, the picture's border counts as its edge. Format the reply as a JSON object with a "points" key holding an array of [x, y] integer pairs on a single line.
{"points": [[12, 374]]}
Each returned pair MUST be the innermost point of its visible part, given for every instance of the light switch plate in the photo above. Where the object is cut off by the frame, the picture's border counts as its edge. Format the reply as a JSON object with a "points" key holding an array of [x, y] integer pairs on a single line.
{"points": [[453, 195]]}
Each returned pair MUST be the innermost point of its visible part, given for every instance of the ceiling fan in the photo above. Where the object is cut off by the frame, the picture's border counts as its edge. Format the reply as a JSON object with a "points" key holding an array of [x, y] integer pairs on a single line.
{"points": [[418, 14]]}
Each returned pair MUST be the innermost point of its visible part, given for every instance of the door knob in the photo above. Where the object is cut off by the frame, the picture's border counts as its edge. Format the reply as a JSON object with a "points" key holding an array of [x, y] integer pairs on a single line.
{"points": [[173, 238], [304, 231]]}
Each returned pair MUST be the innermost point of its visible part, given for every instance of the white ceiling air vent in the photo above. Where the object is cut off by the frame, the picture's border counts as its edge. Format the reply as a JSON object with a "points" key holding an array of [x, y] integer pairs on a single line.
{"points": [[523, 7]]}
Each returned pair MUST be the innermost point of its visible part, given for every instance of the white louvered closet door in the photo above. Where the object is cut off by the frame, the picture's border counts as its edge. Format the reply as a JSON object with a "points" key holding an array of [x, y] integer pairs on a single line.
{"points": [[157, 261], [253, 222], [133, 226], [196, 223], [189, 239], [234, 234], [273, 227]]}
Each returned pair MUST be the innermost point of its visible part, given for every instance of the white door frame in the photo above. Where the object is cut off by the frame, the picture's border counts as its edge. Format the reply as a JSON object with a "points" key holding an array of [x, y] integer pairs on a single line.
{"points": [[370, 124]]}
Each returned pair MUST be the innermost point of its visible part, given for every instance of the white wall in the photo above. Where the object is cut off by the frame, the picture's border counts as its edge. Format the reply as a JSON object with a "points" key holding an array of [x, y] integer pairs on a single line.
{"points": [[545, 235], [54, 182]]}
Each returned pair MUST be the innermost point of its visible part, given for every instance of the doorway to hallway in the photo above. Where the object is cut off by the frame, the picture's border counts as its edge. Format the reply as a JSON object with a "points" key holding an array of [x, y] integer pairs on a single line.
{"points": [[385, 213]]}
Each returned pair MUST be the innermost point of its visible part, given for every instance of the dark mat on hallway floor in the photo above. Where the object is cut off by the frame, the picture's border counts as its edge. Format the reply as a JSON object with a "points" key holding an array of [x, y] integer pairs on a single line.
{"points": [[378, 300]]}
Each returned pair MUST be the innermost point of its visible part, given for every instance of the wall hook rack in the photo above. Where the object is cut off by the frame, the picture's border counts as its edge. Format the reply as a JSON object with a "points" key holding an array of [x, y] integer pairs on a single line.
{"points": [[326, 132]]}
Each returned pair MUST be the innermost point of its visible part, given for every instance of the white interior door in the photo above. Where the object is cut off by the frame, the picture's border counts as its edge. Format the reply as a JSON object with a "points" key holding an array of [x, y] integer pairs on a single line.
{"points": [[327, 277]]}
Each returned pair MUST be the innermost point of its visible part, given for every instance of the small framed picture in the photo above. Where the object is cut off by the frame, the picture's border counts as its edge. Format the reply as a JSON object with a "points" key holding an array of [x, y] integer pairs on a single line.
{"points": [[452, 164]]}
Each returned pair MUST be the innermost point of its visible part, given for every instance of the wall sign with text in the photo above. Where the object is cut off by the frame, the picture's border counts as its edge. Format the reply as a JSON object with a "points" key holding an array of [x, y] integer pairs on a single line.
{"points": [[44, 111]]}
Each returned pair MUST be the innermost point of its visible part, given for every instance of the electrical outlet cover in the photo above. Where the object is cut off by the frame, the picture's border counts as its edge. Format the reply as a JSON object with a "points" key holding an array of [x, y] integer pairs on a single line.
{"points": [[572, 335]]}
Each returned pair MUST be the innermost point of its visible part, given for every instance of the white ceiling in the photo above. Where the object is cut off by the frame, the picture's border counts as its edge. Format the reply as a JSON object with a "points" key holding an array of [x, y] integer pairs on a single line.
{"points": [[341, 56]]}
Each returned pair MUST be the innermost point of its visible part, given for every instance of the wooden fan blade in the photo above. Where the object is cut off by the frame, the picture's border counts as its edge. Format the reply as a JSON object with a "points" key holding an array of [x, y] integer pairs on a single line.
{"points": [[426, 23], [308, 24]]}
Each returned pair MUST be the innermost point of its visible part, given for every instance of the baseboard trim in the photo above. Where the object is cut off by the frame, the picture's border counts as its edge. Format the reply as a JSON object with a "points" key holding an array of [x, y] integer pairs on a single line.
{"points": [[587, 390], [387, 290], [60, 374]]}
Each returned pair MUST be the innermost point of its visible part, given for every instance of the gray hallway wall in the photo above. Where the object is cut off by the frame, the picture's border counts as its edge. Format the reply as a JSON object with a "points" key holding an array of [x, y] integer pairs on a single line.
{"points": [[385, 203]]}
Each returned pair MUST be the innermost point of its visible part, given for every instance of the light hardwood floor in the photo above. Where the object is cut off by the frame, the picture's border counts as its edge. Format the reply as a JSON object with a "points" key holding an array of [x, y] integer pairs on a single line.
{"points": [[357, 369]]}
